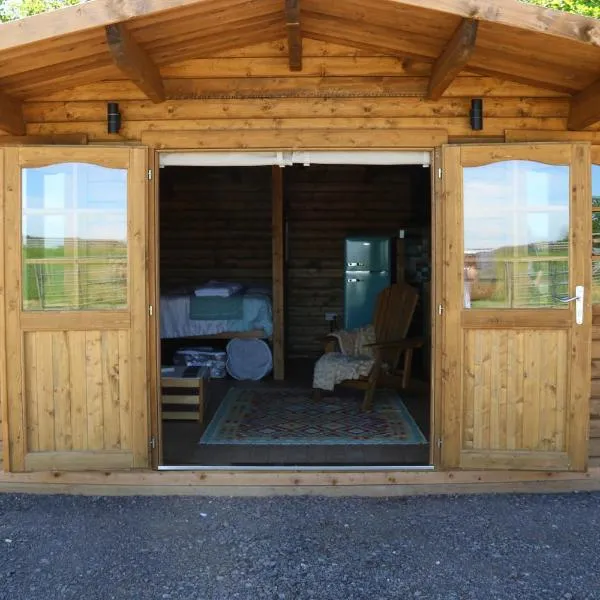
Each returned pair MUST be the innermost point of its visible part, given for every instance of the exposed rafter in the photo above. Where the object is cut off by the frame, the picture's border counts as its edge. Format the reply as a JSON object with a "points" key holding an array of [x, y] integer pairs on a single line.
{"points": [[453, 59], [11, 115], [134, 62], [294, 34], [585, 107]]}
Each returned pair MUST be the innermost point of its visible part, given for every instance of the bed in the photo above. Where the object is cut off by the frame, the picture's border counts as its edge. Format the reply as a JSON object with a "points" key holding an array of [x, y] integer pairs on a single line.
{"points": [[247, 313]]}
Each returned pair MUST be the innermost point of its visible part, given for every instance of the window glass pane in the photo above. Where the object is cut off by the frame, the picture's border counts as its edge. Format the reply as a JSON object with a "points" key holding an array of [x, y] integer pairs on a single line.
{"points": [[74, 237], [516, 228]]}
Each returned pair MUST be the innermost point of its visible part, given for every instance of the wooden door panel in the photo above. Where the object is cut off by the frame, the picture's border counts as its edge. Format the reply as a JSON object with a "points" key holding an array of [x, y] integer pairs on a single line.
{"points": [[516, 390], [77, 391], [78, 386], [515, 370]]}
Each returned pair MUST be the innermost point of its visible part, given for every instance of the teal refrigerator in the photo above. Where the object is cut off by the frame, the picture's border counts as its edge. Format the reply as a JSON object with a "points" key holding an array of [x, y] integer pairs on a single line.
{"points": [[368, 271]]}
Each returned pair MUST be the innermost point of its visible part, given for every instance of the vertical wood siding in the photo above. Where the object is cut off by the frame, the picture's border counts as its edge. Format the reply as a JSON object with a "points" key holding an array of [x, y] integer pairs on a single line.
{"points": [[79, 400]]}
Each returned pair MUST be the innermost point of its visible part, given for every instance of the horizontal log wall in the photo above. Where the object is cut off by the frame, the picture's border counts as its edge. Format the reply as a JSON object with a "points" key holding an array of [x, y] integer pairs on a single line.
{"points": [[215, 223], [595, 401], [324, 205], [338, 88]]}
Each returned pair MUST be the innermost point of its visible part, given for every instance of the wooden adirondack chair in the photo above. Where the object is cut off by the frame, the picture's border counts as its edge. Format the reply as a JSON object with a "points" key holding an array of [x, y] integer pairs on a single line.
{"points": [[392, 318]]}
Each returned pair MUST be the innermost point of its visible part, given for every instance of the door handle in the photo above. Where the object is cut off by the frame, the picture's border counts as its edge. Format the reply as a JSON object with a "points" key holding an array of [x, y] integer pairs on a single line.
{"points": [[578, 299]]}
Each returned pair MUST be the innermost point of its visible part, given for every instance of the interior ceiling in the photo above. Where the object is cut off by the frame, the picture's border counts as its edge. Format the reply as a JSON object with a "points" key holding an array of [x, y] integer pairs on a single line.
{"points": [[388, 27]]}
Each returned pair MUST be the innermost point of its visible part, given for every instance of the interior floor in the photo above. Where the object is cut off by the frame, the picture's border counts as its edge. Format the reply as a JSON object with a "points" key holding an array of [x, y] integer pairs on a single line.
{"points": [[180, 438]]}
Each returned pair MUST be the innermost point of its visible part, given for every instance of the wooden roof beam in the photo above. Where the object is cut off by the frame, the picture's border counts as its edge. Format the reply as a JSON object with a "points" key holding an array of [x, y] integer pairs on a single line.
{"points": [[453, 59], [134, 62], [585, 107], [11, 115], [294, 34]]}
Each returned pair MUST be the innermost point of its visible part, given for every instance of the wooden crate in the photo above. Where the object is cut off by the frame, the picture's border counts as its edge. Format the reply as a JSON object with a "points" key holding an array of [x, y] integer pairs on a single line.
{"points": [[184, 391]]}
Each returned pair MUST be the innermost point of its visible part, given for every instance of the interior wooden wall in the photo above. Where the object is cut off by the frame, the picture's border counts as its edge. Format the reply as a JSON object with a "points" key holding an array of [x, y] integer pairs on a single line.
{"points": [[338, 88], [215, 223], [325, 204]]}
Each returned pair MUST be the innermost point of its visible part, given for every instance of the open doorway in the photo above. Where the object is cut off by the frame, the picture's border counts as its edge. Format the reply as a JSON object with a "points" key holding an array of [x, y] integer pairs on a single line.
{"points": [[216, 311]]}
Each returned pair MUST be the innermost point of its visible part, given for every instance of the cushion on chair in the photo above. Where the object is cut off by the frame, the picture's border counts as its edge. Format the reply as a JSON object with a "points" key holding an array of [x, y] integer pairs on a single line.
{"points": [[334, 367], [354, 342]]}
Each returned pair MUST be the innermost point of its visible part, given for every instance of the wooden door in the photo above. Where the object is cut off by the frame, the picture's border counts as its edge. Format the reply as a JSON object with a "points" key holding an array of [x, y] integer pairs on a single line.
{"points": [[75, 308], [515, 359]]}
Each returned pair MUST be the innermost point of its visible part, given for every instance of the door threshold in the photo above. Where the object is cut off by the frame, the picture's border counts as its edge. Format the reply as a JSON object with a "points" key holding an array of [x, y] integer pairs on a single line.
{"points": [[311, 468]]}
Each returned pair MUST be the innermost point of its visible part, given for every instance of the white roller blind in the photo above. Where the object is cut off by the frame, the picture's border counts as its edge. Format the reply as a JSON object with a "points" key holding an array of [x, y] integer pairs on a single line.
{"points": [[361, 157], [224, 159], [308, 157]]}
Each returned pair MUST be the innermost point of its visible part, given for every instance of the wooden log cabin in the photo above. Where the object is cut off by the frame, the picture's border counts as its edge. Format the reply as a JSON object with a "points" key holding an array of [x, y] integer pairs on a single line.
{"points": [[149, 146]]}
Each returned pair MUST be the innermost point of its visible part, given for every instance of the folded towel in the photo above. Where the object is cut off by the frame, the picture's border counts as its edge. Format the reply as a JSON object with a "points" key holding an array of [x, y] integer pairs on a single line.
{"points": [[221, 289]]}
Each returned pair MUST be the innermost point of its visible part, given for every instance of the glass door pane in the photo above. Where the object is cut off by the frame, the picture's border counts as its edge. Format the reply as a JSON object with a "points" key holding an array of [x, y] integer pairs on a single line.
{"points": [[74, 223], [516, 235]]}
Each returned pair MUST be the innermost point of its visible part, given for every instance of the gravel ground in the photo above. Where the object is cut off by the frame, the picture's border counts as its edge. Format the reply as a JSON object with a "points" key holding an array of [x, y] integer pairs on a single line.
{"points": [[467, 547]]}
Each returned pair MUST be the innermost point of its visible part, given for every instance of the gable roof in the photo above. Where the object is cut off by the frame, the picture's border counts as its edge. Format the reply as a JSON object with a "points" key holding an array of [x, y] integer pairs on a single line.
{"points": [[109, 40]]}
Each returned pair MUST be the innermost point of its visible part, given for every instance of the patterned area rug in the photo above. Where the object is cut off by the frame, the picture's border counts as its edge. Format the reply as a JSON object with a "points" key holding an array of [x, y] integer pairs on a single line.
{"points": [[288, 416]]}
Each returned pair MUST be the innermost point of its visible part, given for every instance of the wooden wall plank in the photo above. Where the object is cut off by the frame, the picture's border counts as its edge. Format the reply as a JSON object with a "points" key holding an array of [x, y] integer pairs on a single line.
{"points": [[125, 392], [580, 252], [3, 372], [63, 401], [292, 139], [138, 301], [31, 403], [284, 108], [110, 390], [77, 368], [532, 135], [94, 392], [16, 435], [45, 392], [315, 66], [403, 132], [328, 87], [205, 214], [70, 138]]}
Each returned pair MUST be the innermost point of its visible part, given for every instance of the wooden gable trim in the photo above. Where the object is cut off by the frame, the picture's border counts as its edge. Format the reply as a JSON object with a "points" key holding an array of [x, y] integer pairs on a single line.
{"points": [[585, 107], [99, 13], [81, 17], [292, 18], [134, 62], [453, 59], [11, 115], [513, 13]]}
